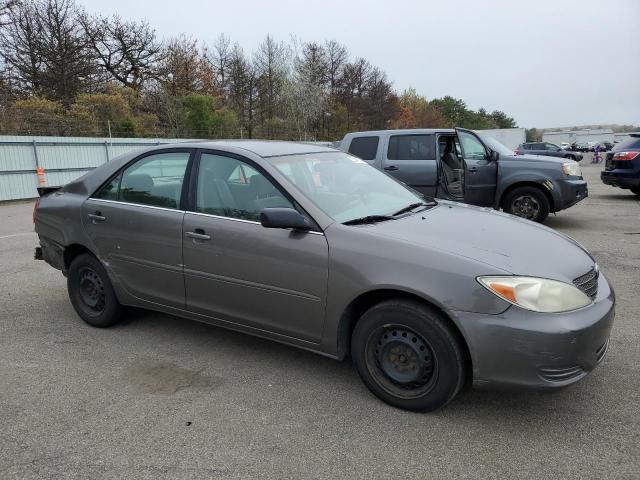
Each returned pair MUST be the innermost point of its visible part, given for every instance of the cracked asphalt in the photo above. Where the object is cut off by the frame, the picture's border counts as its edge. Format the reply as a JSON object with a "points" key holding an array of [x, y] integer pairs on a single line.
{"points": [[160, 397]]}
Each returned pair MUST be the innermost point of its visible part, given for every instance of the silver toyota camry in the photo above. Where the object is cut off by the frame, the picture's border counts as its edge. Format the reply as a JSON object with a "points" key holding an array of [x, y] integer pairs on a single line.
{"points": [[314, 248]]}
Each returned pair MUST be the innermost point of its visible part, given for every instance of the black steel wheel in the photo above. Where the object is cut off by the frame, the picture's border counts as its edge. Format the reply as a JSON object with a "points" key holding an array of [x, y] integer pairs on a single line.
{"points": [[91, 293], [408, 355], [527, 202]]}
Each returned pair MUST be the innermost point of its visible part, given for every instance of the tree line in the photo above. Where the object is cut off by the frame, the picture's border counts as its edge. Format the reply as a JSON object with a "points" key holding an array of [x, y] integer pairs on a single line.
{"points": [[68, 72]]}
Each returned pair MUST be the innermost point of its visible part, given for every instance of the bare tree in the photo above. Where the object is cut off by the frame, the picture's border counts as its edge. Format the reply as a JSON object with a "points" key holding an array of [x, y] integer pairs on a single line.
{"points": [[220, 58], [127, 50], [243, 89], [46, 50], [20, 48], [185, 70], [336, 58], [67, 60], [271, 62], [6, 7]]}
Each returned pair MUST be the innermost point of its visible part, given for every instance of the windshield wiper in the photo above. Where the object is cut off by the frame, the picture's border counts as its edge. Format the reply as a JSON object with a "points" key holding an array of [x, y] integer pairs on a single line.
{"points": [[368, 219], [408, 208]]}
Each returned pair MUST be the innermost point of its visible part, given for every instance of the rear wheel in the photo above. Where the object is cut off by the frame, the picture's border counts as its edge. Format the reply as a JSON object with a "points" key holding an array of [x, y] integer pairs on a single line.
{"points": [[408, 356], [91, 293], [527, 202]]}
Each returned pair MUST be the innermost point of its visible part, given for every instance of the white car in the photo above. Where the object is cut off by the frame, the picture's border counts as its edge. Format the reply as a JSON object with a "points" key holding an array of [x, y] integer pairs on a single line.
{"points": [[565, 146]]}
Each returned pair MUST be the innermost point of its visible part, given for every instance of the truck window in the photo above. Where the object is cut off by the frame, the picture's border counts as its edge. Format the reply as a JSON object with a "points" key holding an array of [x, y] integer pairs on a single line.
{"points": [[364, 147], [412, 147]]}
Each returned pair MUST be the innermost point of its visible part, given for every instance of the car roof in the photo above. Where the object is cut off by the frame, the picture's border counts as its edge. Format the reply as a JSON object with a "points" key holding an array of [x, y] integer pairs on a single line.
{"points": [[262, 148], [401, 131]]}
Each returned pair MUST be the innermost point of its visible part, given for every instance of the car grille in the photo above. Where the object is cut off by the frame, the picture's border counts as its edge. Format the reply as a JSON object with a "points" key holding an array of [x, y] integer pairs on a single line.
{"points": [[588, 283]]}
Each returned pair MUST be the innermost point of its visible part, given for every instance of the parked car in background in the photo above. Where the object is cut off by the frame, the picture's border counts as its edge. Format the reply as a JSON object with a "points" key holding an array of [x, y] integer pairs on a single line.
{"points": [[471, 167], [546, 149], [312, 247], [622, 165], [565, 146]]}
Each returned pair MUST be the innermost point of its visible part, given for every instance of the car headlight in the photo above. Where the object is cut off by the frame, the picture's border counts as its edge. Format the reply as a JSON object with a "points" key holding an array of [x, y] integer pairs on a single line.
{"points": [[536, 294], [572, 169]]}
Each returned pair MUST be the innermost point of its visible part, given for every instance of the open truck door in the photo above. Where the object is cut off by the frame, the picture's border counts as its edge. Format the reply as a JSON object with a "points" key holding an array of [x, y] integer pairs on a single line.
{"points": [[480, 169]]}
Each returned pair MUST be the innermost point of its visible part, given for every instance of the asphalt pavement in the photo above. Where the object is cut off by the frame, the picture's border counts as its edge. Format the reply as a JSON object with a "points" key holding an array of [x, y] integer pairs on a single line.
{"points": [[161, 397]]}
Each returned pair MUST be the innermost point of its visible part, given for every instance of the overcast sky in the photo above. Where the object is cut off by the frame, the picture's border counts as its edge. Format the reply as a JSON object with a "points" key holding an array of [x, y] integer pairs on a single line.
{"points": [[547, 63]]}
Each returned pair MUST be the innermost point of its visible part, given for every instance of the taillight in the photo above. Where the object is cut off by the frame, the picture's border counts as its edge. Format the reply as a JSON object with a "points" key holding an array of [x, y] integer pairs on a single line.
{"points": [[35, 209], [625, 155]]}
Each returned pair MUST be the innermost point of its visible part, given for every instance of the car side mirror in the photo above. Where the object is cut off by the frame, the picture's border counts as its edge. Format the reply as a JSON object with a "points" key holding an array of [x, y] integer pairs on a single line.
{"points": [[284, 218], [494, 156]]}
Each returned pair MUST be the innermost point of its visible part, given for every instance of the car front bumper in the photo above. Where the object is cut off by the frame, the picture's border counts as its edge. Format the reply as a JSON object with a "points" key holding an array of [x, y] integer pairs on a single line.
{"points": [[569, 192], [621, 178], [519, 348]]}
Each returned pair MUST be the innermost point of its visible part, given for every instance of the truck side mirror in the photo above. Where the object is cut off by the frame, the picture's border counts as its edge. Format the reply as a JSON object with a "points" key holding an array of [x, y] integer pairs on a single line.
{"points": [[494, 156]]}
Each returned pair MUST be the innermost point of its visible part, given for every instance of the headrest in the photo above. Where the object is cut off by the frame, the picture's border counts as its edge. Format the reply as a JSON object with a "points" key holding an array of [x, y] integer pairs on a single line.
{"points": [[138, 181]]}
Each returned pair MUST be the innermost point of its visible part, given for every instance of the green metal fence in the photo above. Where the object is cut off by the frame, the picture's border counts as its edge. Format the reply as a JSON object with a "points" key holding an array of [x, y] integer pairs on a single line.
{"points": [[63, 159]]}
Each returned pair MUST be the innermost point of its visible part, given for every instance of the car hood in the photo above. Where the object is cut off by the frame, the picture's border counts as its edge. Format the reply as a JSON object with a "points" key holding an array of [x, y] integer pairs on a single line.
{"points": [[509, 243]]}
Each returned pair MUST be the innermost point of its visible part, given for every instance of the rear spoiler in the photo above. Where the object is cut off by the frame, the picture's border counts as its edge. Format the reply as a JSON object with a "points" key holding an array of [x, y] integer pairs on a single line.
{"points": [[42, 191]]}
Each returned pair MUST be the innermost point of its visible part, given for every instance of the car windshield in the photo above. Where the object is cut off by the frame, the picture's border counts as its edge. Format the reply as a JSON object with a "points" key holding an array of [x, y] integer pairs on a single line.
{"points": [[345, 187], [495, 145]]}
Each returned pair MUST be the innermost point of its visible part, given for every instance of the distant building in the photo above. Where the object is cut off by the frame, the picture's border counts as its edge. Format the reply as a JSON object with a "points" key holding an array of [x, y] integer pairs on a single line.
{"points": [[579, 136]]}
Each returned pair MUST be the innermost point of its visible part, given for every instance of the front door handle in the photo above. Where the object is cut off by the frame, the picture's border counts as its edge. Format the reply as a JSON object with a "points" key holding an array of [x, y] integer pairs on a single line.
{"points": [[391, 167], [198, 234], [473, 169], [97, 217]]}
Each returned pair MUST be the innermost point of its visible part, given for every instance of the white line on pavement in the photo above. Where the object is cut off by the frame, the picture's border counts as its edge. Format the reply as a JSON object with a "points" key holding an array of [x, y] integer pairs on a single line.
{"points": [[17, 235]]}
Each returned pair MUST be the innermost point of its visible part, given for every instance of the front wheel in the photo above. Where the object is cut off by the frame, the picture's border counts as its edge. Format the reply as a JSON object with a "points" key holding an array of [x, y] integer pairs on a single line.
{"points": [[527, 202], [91, 293], [408, 356]]}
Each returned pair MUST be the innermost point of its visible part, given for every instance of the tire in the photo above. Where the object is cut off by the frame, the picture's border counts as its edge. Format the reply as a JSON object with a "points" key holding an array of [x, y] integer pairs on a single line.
{"points": [[527, 202], [91, 292], [570, 157], [408, 356], [636, 190]]}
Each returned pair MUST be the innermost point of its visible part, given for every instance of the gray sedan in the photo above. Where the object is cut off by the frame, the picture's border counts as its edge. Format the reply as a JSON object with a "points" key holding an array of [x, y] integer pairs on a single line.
{"points": [[314, 248]]}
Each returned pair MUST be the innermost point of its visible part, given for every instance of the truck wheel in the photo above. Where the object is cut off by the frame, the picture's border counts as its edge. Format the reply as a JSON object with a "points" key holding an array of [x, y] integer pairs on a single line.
{"points": [[91, 293], [527, 202], [407, 355], [570, 157]]}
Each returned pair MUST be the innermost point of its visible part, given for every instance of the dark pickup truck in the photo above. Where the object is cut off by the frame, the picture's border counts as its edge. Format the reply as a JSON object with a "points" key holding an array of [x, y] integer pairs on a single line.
{"points": [[472, 167]]}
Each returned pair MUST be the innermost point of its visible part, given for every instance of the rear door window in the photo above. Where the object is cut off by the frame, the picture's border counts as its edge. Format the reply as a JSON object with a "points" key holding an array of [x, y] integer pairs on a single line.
{"points": [[364, 147], [412, 147], [632, 143], [155, 180]]}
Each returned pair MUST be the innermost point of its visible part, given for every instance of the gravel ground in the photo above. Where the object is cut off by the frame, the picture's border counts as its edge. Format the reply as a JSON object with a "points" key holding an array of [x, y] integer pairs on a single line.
{"points": [[161, 397]]}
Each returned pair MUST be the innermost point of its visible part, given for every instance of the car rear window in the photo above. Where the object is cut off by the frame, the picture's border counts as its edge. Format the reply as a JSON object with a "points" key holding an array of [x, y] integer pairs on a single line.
{"points": [[364, 147], [632, 143], [412, 147]]}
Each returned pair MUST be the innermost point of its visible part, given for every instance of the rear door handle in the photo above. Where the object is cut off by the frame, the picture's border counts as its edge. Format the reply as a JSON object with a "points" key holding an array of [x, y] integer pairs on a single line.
{"points": [[473, 169], [391, 167], [198, 234], [96, 217]]}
